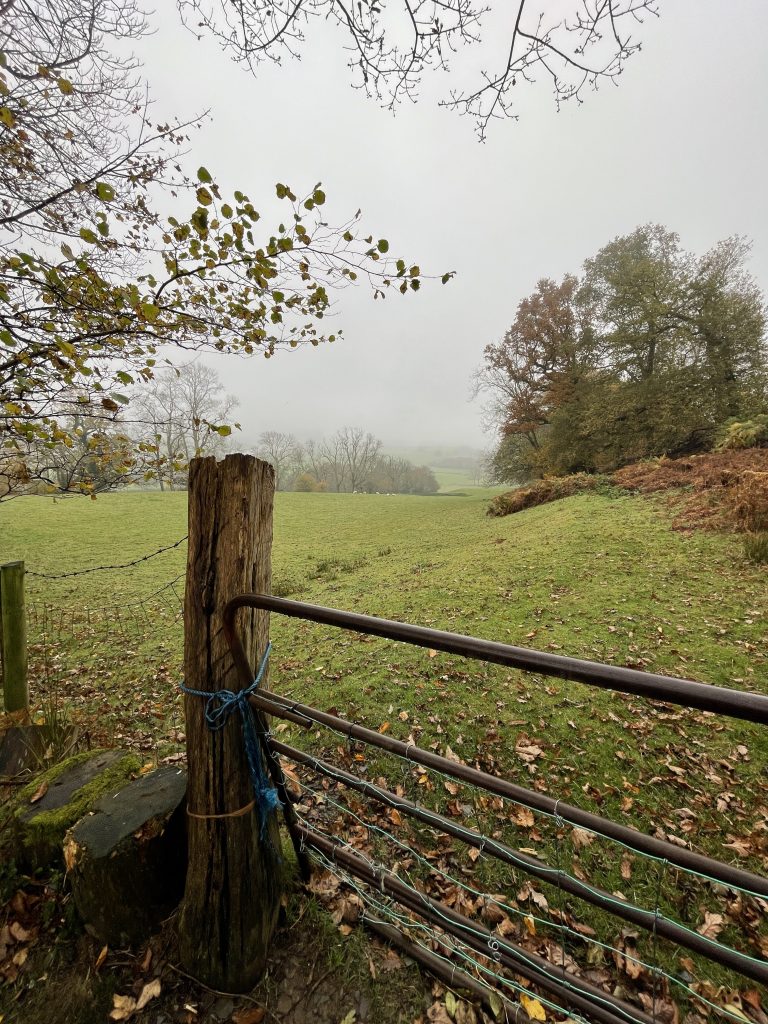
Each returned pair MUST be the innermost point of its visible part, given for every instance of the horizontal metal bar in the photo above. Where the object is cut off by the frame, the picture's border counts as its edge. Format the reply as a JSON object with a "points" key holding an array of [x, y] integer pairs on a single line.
{"points": [[676, 856], [449, 973], [738, 704], [752, 707], [647, 919], [567, 988]]}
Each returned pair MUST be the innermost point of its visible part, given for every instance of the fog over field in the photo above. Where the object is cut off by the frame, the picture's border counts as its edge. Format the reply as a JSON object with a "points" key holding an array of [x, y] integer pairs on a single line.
{"points": [[680, 142]]}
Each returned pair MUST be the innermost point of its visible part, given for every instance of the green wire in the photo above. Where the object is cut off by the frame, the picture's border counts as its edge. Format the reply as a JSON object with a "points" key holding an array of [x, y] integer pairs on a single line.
{"points": [[556, 873]]}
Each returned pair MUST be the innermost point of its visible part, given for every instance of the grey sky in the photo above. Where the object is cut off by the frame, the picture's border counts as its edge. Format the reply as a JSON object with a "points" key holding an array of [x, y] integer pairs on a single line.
{"points": [[682, 141]]}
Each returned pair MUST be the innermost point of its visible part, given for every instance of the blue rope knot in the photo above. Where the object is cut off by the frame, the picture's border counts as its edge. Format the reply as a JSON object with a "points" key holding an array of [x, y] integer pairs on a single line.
{"points": [[219, 705]]}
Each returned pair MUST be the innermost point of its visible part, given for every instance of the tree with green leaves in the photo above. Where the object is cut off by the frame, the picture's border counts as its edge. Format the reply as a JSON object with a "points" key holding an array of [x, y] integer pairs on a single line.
{"points": [[647, 354], [96, 285]]}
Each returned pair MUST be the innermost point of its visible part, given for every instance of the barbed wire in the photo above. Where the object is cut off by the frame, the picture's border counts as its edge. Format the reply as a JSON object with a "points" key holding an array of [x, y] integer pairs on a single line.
{"points": [[155, 614], [102, 568], [105, 609]]}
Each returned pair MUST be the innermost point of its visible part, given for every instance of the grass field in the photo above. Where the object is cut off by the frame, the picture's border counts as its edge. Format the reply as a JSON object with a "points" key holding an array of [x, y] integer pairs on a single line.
{"points": [[591, 576], [606, 579], [454, 479]]}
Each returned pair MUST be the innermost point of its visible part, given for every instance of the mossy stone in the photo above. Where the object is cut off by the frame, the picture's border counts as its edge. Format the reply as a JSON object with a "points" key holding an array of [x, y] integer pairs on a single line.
{"points": [[127, 859], [73, 787]]}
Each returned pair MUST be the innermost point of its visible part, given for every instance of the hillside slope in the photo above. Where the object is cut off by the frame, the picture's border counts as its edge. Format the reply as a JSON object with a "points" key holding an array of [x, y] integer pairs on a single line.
{"points": [[596, 576]]}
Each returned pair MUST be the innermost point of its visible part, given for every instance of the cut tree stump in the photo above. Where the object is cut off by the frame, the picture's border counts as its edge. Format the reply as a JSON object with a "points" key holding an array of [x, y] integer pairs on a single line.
{"points": [[55, 800], [127, 859]]}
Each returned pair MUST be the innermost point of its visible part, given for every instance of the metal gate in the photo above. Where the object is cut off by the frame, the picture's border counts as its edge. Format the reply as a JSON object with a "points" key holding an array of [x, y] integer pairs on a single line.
{"points": [[497, 952]]}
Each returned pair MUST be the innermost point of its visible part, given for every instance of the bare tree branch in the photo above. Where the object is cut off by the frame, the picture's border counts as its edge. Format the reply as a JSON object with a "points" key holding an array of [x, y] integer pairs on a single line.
{"points": [[390, 55]]}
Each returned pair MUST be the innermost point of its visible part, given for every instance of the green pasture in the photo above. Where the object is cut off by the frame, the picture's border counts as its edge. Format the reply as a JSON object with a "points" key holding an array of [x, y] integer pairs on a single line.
{"points": [[453, 479], [591, 576]]}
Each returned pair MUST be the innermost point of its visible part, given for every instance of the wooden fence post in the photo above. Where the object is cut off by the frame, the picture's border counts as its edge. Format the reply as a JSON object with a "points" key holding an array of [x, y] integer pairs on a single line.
{"points": [[13, 637], [233, 886]]}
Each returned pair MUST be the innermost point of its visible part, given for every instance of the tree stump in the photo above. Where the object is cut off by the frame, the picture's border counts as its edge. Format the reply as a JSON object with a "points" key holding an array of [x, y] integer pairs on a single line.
{"points": [[232, 896], [127, 859], [55, 800]]}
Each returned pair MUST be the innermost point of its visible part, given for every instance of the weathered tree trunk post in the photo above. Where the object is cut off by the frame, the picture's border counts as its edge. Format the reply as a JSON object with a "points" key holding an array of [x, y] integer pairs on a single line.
{"points": [[13, 637], [232, 893]]}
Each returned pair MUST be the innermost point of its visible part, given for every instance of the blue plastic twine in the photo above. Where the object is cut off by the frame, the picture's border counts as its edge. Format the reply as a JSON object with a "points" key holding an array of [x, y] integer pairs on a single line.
{"points": [[219, 705]]}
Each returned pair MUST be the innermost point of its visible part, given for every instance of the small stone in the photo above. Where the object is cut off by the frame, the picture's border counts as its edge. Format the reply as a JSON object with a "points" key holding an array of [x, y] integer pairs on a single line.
{"points": [[284, 1003], [223, 1008]]}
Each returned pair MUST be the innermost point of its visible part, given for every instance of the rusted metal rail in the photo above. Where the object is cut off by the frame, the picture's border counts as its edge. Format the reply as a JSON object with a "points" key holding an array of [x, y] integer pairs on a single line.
{"points": [[736, 703], [533, 866], [740, 704]]}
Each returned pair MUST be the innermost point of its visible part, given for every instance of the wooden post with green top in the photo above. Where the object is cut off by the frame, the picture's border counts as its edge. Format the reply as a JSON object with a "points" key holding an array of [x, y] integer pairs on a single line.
{"points": [[13, 637]]}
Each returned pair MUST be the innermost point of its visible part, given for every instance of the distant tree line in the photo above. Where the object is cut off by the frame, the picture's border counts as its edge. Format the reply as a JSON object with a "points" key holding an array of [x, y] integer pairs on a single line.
{"points": [[350, 461], [647, 353], [177, 415]]}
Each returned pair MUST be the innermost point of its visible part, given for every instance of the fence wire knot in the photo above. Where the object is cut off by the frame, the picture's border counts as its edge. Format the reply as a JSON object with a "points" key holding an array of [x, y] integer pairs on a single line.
{"points": [[219, 705]]}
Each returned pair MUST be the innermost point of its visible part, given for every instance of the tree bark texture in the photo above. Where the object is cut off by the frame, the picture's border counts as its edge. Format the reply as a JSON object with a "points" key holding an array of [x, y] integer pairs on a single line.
{"points": [[232, 892]]}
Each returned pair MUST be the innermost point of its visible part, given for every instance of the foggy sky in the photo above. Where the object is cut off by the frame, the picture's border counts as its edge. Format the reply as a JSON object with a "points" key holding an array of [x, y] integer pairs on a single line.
{"points": [[682, 141]]}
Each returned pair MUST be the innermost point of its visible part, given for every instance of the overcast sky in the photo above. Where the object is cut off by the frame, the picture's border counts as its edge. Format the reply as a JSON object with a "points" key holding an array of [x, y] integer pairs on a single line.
{"points": [[682, 141]]}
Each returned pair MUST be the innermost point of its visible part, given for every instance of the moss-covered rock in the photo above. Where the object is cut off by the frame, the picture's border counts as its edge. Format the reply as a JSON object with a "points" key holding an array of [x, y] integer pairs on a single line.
{"points": [[69, 790], [127, 859]]}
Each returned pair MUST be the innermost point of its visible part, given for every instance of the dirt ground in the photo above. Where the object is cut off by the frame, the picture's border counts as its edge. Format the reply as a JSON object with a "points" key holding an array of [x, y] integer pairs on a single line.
{"points": [[56, 974]]}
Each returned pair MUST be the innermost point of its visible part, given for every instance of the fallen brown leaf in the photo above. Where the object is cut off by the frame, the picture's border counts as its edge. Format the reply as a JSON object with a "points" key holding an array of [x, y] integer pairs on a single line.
{"points": [[437, 1014], [523, 816], [533, 1008], [580, 837], [250, 1015], [713, 923], [39, 793], [123, 1007], [19, 932], [150, 991]]}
